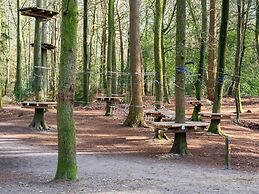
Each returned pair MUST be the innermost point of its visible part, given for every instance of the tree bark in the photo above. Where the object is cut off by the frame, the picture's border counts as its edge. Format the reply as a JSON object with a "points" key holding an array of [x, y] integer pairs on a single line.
{"points": [[67, 165], [135, 117], [212, 51], [180, 142], [158, 21], [18, 79], [215, 124], [86, 72], [198, 86]]}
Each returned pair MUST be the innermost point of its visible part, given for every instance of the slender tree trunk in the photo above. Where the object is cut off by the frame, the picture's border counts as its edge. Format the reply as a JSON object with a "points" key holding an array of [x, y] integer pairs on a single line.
{"points": [[214, 124], [135, 117], [67, 165], [158, 21], [44, 57], [18, 79], [103, 46], [180, 142], [212, 51], [122, 81], [86, 73], [197, 108]]}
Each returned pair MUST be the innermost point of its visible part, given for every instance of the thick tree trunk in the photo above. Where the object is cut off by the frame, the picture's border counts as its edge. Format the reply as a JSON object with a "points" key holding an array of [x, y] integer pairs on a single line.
{"points": [[18, 78], [38, 121], [212, 51], [135, 117], [180, 142], [67, 165], [214, 124], [197, 108], [158, 20]]}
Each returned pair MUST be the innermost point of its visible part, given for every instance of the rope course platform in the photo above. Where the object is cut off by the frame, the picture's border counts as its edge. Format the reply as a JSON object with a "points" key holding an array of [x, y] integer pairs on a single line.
{"points": [[109, 99], [39, 105], [158, 115], [46, 46], [38, 12]]}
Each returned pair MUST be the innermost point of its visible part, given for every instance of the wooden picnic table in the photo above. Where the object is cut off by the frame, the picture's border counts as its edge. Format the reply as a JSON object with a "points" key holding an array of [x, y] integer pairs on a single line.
{"points": [[38, 121]]}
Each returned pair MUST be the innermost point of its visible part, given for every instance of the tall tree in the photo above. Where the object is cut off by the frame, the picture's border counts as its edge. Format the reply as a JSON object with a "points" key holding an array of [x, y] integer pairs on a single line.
{"points": [[18, 79], [158, 21], [198, 85], [257, 30], [86, 72], [135, 117], [44, 56], [180, 142], [212, 51], [67, 165], [215, 124]]}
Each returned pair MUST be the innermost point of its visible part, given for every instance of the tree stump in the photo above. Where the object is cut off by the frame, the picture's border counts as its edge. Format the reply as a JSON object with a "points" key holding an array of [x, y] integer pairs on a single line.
{"points": [[38, 121]]}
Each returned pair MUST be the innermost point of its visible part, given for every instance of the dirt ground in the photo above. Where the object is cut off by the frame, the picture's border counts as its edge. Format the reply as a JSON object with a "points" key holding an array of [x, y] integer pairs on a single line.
{"points": [[105, 138]]}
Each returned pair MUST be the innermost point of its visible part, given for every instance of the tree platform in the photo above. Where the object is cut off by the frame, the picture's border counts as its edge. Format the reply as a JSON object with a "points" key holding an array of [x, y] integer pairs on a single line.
{"points": [[200, 102], [181, 127], [158, 115], [38, 12], [46, 46], [110, 102], [39, 105], [217, 116]]}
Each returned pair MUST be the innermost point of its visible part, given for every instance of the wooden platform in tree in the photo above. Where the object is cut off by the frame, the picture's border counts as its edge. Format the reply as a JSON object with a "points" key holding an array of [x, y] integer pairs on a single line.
{"points": [[109, 99], [39, 105], [199, 102], [158, 115], [219, 116], [46, 46], [38, 12], [181, 127]]}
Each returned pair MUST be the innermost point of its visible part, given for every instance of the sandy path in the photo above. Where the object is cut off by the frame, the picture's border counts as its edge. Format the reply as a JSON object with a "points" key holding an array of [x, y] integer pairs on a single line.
{"points": [[27, 169]]}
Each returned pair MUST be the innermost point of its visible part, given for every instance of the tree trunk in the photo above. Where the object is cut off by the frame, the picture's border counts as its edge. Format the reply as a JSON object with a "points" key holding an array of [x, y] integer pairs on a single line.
{"points": [[212, 51], [86, 72], [135, 117], [257, 30], [198, 86], [214, 124], [159, 86], [180, 142], [103, 47], [18, 79], [67, 166], [38, 121], [44, 57]]}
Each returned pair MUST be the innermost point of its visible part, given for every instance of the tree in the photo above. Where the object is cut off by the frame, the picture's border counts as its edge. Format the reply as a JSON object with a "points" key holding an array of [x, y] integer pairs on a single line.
{"points": [[67, 166], [180, 142], [212, 51], [257, 30], [158, 21], [86, 72], [18, 79], [135, 117], [198, 85], [214, 124]]}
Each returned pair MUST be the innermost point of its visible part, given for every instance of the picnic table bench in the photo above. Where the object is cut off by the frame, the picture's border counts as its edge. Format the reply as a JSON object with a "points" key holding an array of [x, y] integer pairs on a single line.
{"points": [[38, 121]]}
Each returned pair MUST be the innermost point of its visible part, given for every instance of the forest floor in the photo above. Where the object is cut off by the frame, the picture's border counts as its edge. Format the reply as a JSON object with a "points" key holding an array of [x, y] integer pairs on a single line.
{"points": [[113, 158]]}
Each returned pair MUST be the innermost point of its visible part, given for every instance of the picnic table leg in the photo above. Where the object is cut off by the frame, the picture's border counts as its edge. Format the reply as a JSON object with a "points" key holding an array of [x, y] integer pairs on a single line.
{"points": [[160, 134], [38, 121]]}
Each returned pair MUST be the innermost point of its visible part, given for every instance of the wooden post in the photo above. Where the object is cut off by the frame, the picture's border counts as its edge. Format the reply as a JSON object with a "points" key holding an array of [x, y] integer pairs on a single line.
{"points": [[228, 152]]}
